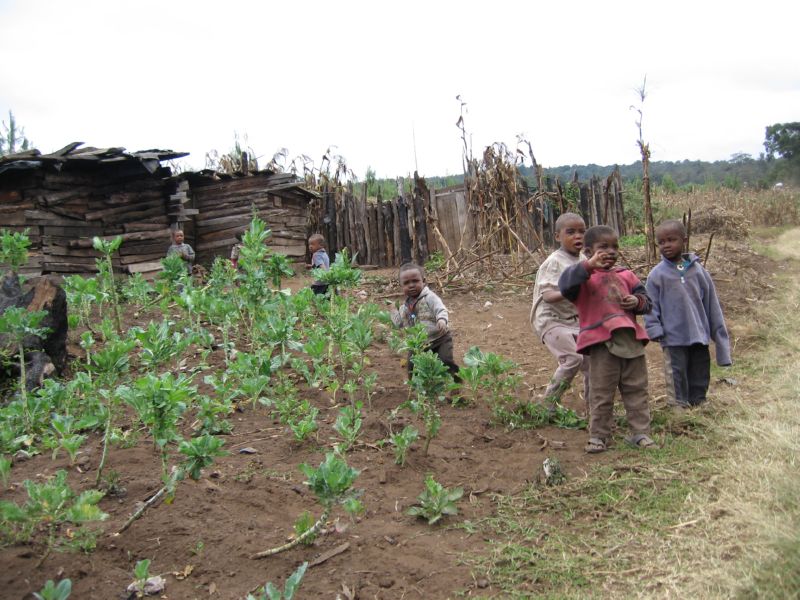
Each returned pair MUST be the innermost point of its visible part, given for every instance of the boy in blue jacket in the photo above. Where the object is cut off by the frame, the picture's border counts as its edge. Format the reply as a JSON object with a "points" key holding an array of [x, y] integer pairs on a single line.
{"points": [[686, 317]]}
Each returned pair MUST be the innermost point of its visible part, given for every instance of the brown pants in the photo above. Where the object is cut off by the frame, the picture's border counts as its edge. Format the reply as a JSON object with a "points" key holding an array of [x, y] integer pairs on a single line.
{"points": [[609, 373]]}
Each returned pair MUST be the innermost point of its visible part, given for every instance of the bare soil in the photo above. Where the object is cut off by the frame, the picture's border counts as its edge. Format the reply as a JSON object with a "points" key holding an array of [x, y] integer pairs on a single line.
{"points": [[245, 503]]}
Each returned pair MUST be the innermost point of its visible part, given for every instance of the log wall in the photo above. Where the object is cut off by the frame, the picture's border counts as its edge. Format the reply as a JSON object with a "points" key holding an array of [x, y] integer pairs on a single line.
{"points": [[225, 208], [63, 211]]}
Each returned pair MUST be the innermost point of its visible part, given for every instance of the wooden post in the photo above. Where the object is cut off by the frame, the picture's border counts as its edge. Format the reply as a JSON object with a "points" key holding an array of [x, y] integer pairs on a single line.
{"points": [[381, 233], [649, 229]]}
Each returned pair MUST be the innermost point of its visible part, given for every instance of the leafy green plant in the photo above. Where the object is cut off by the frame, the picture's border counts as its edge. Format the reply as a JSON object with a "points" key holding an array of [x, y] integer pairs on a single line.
{"points": [[277, 267], [18, 323], [402, 442], [270, 592], [496, 375], [82, 294], [306, 424], [105, 273], [342, 273], [159, 402], [566, 418], [435, 262], [112, 362], [332, 484], [348, 425], [471, 381], [210, 412], [430, 381], [302, 524], [5, 470], [67, 438], [200, 452], [436, 501], [51, 591], [50, 505], [14, 249], [141, 573], [173, 275], [160, 343], [137, 290]]}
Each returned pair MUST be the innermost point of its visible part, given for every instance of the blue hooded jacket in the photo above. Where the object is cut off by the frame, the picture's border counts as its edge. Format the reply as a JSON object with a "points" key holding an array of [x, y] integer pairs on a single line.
{"points": [[686, 309]]}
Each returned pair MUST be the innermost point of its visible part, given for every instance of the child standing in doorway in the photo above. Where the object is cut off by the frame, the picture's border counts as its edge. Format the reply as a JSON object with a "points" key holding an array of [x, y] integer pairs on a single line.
{"points": [[554, 318], [182, 249], [422, 305], [686, 317], [608, 298], [319, 260]]}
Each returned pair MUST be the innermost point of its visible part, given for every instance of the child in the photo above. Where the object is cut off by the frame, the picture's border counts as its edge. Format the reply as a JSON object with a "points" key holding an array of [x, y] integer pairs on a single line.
{"points": [[553, 318], [686, 316], [607, 299], [319, 260], [424, 306], [236, 249], [182, 249]]}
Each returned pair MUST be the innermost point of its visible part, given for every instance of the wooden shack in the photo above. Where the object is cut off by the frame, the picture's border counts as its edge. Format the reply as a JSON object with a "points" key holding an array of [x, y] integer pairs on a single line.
{"points": [[65, 198], [224, 206]]}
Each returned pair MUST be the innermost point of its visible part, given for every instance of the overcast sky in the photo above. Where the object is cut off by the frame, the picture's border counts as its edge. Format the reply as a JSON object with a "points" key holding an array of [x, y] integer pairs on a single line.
{"points": [[370, 78]]}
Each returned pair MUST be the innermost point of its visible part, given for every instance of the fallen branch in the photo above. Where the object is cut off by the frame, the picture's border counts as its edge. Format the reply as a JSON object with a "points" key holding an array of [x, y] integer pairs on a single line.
{"points": [[313, 530], [140, 511]]}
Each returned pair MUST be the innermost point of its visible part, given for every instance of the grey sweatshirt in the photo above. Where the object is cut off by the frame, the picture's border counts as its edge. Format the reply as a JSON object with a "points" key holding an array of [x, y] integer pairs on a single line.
{"points": [[686, 309], [427, 309]]}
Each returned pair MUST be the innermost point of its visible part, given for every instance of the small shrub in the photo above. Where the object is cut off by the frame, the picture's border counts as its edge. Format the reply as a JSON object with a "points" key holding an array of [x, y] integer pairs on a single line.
{"points": [[436, 501]]}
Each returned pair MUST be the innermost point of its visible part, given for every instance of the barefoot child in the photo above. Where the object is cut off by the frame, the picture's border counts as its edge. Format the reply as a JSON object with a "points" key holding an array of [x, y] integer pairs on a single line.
{"points": [[686, 317], [424, 306], [182, 249], [608, 298], [554, 318], [319, 260]]}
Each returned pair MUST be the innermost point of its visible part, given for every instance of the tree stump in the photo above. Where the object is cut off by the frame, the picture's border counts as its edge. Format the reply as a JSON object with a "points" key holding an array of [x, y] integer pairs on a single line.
{"points": [[45, 355]]}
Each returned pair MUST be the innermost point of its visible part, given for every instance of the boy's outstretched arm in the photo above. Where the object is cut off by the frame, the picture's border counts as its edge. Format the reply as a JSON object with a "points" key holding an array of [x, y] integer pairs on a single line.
{"points": [[571, 280]]}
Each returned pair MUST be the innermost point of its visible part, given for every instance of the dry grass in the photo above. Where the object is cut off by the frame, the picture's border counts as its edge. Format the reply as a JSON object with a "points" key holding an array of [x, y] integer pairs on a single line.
{"points": [[743, 537], [732, 213]]}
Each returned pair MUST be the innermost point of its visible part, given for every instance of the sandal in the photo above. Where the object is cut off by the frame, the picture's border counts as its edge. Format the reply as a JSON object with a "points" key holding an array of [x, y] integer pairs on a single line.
{"points": [[595, 446], [642, 441]]}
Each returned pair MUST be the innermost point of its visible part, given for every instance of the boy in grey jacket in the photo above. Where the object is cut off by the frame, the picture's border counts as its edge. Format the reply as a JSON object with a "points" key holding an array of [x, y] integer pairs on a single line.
{"points": [[424, 306], [686, 317]]}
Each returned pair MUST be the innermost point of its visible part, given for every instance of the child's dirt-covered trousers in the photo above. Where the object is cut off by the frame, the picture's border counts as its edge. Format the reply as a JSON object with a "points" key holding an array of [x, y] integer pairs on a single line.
{"points": [[609, 373]]}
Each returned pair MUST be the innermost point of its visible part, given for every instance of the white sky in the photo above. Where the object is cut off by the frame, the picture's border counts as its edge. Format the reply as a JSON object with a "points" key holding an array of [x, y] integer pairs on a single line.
{"points": [[366, 77]]}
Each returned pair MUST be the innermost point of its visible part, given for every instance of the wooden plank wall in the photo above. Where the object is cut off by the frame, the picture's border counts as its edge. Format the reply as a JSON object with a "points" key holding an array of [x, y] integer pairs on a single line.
{"points": [[63, 211], [225, 208]]}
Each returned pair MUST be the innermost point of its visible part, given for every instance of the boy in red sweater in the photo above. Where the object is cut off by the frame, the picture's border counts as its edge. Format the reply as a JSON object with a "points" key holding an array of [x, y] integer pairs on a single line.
{"points": [[608, 298]]}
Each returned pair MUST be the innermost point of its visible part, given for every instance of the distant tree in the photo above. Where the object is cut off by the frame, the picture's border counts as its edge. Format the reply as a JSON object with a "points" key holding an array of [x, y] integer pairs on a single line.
{"points": [[740, 158], [13, 138], [783, 139], [668, 184]]}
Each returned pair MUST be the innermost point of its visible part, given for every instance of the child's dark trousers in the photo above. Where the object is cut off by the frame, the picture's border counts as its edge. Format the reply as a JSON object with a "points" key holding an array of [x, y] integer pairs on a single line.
{"points": [[687, 373], [443, 347]]}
